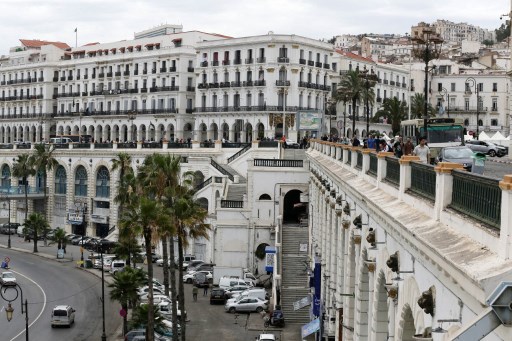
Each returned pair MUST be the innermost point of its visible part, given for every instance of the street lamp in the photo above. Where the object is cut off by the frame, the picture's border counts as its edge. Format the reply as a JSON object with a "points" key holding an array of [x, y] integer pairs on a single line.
{"points": [[426, 46], [131, 116], [6, 198], [471, 82], [370, 79], [103, 335], [444, 93], [9, 311]]}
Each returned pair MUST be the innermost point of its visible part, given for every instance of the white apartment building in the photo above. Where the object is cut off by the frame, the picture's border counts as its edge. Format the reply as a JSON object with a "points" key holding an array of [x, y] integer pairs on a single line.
{"points": [[345, 41], [457, 32]]}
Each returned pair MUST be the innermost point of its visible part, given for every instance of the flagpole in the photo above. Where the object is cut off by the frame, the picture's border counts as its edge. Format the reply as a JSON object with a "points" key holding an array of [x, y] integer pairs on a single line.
{"points": [[76, 37]]}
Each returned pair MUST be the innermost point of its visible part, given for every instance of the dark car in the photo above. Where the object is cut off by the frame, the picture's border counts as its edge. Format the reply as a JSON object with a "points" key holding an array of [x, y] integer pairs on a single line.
{"points": [[105, 244], [460, 154], [218, 295]]}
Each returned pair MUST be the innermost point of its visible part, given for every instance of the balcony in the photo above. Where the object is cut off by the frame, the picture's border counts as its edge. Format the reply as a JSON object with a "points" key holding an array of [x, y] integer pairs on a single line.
{"points": [[190, 69], [78, 77], [145, 72], [172, 69], [282, 83], [203, 64], [63, 78], [236, 84], [118, 74], [143, 90], [260, 83], [202, 86], [84, 93], [225, 84], [237, 61], [214, 85], [302, 61], [386, 81], [163, 69], [86, 76], [126, 73], [101, 75], [249, 60], [248, 83], [70, 78], [318, 64], [311, 63], [191, 88], [404, 85], [55, 79], [261, 60], [153, 71], [379, 99], [391, 82], [215, 63], [226, 62], [303, 84], [189, 110], [136, 72], [283, 60]]}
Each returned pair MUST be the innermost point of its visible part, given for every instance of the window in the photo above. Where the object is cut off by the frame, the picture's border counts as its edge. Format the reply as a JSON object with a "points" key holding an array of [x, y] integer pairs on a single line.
{"points": [[439, 87], [6, 177], [494, 122], [466, 104], [103, 183], [494, 104], [60, 180], [452, 86], [81, 182], [265, 197], [466, 122], [494, 87]]}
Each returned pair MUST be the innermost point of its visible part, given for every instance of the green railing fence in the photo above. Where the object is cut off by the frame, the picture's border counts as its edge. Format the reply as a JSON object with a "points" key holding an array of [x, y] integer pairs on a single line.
{"points": [[423, 180], [373, 164], [393, 170]]}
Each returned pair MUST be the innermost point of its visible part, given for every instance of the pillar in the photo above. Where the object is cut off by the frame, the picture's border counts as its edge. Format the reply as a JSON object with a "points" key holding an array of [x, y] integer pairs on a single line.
{"points": [[504, 250], [444, 186], [405, 174]]}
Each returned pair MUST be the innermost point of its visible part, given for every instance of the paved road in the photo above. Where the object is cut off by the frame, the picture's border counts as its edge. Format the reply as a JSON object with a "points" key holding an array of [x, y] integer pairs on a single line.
{"points": [[47, 283], [497, 167]]}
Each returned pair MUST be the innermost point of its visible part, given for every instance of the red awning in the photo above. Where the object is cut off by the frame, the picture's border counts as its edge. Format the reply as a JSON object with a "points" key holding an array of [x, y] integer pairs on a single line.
{"points": [[138, 46], [113, 49], [176, 40], [121, 49], [78, 52], [157, 44], [149, 45]]}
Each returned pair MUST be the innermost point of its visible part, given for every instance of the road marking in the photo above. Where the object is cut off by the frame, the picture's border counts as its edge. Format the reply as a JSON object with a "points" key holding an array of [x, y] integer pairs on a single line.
{"points": [[44, 303]]}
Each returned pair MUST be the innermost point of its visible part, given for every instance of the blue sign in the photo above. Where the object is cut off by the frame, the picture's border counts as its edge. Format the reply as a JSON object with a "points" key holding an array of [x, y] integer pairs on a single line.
{"points": [[317, 280], [311, 327], [270, 252]]}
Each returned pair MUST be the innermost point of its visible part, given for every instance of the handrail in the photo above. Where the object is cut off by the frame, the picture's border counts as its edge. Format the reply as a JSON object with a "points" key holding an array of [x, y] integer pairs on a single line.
{"points": [[231, 204], [222, 170], [240, 152], [204, 183], [277, 163]]}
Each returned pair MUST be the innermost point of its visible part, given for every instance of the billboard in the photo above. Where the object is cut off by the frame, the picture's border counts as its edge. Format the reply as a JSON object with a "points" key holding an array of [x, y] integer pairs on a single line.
{"points": [[309, 120]]}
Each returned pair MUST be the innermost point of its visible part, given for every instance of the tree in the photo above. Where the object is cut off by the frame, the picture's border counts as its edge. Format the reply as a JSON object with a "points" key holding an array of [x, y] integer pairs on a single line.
{"points": [[503, 32], [43, 162], [35, 223], [140, 318], [128, 248], [394, 110], [351, 89], [418, 105], [124, 289], [59, 237], [23, 168]]}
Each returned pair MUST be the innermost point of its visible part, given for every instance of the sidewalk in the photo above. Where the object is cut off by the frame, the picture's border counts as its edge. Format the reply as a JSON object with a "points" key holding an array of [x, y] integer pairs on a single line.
{"points": [[291, 332], [50, 252], [503, 159]]}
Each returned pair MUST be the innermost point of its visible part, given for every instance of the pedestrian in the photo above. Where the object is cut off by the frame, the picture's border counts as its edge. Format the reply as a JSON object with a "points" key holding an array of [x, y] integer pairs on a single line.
{"points": [[408, 147], [422, 150], [205, 290], [194, 293]]}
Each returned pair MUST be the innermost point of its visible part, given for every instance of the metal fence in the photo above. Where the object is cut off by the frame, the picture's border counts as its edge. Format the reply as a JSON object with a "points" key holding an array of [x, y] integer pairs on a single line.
{"points": [[393, 170], [231, 204], [373, 164], [423, 180], [277, 163], [268, 144], [359, 161], [477, 196]]}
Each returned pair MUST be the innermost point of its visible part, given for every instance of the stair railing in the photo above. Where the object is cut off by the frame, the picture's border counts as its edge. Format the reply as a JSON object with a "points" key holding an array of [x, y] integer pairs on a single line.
{"points": [[222, 170]]}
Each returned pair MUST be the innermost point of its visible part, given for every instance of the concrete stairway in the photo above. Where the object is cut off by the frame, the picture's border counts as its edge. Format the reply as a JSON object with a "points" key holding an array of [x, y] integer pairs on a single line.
{"points": [[295, 281], [236, 192], [231, 170]]}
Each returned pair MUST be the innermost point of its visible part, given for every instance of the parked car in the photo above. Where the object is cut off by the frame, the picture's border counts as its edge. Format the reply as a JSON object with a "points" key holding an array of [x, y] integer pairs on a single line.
{"points": [[154, 256], [193, 264], [487, 147], [105, 244], [76, 239], [117, 265], [291, 144], [247, 304], [226, 282], [156, 291], [4, 228], [7, 278], [217, 295], [461, 154], [236, 289], [203, 279], [203, 267], [189, 276]]}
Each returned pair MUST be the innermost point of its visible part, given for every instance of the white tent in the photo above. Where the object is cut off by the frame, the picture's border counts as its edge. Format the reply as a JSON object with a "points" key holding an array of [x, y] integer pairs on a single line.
{"points": [[468, 137], [483, 136], [498, 136]]}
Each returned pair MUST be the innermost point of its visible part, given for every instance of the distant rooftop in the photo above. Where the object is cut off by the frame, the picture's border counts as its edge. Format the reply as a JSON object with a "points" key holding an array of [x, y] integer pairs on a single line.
{"points": [[35, 43]]}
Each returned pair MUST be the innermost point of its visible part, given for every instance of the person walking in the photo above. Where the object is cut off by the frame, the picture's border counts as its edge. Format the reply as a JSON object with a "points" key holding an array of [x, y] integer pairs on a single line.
{"points": [[194, 293], [422, 151], [205, 290]]}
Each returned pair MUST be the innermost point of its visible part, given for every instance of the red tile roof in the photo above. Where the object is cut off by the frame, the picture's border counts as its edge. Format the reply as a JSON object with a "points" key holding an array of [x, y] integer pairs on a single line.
{"points": [[39, 43], [91, 44], [355, 56]]}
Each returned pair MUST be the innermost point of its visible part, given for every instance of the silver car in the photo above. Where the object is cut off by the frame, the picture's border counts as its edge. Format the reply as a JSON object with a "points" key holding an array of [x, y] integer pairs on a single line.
{"points": [[461, 154], [486, 147], [247, 304]]}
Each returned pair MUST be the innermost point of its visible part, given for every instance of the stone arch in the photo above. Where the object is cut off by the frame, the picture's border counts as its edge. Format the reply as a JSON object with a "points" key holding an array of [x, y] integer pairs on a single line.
{"points": [[160, 132], [115, 132], [188, 130], [264, 196], [407, 304], [170, 132], [292, 197], [225, 131], [260, 130], [380, 317], [248, 133], [349, 132], [98, 137], [348, 311], [202, 133], [334, 131], [356, 133], [67, 131], [214, 128], [198, 178], [60, 130], [363, 133], [203, 202], [107, 133]]}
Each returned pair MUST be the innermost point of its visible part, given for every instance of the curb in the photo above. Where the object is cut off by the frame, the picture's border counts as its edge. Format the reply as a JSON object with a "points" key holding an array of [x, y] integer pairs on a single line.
{"points": [[501, 161]]}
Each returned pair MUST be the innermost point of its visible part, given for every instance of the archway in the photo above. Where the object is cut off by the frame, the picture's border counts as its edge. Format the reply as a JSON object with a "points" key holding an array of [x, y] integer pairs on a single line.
{"points": [[248, 133], [225, 131], [198, 178], [214, 131], [202, 134], [380, 317], [203, 203], [349, 133], [291, 213], [278, 132], [260, 128], [362, 299], [408, 327], [187, 131]]}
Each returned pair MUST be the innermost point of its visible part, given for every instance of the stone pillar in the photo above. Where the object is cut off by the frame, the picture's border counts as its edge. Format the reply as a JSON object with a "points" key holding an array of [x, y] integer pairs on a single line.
{"points": [[381, 165], [345, 154], [505, 242], [366, 159], [405, 174], [444, 186], [353, 160], [232, 135]]}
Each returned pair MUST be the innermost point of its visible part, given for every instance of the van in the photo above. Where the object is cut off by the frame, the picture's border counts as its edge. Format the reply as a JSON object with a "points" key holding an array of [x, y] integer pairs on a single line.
{"points": [[253, 292], [60, 140], [117, 265], [227, 282], [19, 231], [63, 315]]}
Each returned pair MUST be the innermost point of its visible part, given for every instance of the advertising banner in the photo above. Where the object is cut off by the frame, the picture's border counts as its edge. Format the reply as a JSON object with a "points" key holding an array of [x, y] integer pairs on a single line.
{"points": [[309, 120]]}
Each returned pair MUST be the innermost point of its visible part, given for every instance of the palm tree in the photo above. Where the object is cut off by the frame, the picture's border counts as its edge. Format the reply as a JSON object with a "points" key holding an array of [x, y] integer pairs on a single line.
{"points": [[23, 168], [127, 247], [352, 88], [43, 162], [418, 106], [59, 237], [143, 218], [140, 318], [36, 222], [124, 289], [394, 110]]}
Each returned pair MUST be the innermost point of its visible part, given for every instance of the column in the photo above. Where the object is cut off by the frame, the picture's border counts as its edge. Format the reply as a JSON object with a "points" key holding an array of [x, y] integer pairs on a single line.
{"points": [[405, 174], [381, 165], [444, 186], [504, 250]]}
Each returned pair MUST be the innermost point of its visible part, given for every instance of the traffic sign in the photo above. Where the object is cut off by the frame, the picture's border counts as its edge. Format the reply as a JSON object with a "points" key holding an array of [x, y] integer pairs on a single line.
{"points": [[122, 312]]}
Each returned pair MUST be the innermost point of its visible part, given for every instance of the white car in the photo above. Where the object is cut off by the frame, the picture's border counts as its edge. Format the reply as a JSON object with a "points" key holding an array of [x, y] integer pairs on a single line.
{"points": [[266, 337], [157, 298], [156, 291], [7, 278], [189, 277]]}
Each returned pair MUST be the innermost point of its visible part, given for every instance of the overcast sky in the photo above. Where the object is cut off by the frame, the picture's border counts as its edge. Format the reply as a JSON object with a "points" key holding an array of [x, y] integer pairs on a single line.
{"points": [[113, 20]]}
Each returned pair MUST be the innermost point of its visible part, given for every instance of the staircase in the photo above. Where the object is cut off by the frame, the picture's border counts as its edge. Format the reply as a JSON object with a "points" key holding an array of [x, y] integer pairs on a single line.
{"points": [[236, 192], [242, 180], [295, 281]]}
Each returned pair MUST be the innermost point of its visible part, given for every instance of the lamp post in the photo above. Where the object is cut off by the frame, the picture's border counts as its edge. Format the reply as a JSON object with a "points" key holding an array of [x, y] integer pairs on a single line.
{"points": [[103, 335], [9, 222], [444, 93], [426, 46], [131, 116], [471, 82], [9, 311], [370, 79]]}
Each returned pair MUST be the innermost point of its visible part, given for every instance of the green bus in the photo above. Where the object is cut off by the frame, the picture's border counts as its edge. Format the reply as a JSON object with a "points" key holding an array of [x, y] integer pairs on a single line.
{"points": [[441, 132]]}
